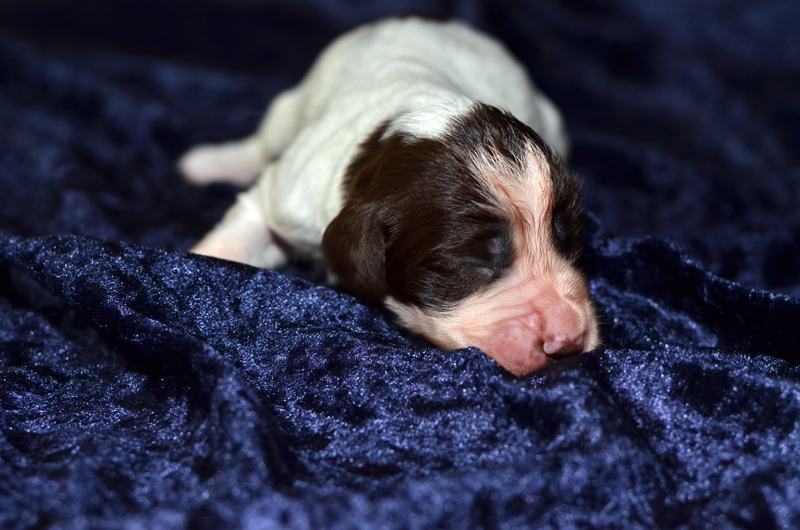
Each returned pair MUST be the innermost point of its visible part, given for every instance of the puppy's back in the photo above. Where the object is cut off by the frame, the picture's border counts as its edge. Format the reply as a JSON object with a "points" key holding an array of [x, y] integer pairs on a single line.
{"points": [[415, 60]]}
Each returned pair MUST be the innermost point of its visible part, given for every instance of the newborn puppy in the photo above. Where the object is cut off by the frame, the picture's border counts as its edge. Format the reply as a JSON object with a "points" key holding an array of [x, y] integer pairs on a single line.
{"points": [[393, 162]]}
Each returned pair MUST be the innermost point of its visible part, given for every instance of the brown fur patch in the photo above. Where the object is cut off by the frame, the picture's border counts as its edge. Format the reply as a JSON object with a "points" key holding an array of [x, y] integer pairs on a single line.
{"points": [[433, 221]]}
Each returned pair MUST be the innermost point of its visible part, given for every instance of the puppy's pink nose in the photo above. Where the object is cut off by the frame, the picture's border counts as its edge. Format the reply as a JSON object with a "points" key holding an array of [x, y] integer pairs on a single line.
{"points": [[563, 334], [563, 346]]}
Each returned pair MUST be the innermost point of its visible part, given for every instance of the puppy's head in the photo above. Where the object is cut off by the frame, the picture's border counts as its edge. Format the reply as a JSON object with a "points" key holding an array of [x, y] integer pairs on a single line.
{"points": [[467, 226]]}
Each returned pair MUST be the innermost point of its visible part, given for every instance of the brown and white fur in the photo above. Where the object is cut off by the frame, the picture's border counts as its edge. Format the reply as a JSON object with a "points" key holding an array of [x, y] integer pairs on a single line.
{"points": [[393, 163]]}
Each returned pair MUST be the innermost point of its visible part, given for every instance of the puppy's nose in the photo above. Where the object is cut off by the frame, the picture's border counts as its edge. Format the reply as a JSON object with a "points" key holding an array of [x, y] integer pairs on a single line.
{"points": [[561, 346], [563, 334]]}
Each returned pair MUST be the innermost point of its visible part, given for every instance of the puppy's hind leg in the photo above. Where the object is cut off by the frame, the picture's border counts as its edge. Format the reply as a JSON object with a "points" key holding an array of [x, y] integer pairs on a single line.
{"points": [[238, 163], [244, 236]]}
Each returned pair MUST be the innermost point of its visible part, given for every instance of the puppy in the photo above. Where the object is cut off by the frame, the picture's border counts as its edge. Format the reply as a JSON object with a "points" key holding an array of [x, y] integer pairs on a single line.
{"points": [[393, 162]]}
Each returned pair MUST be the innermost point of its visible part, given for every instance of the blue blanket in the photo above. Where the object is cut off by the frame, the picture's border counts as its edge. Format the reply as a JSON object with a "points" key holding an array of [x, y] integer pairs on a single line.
{"points": [[143, 387]]}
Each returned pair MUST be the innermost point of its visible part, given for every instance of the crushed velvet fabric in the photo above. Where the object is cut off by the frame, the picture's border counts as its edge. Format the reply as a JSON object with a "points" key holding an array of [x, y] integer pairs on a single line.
{"points": [[143, 387]]}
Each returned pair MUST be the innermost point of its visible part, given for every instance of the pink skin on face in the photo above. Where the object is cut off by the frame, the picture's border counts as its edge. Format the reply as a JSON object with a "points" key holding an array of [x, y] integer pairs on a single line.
{"points": [[531, 341], [522, 324]]}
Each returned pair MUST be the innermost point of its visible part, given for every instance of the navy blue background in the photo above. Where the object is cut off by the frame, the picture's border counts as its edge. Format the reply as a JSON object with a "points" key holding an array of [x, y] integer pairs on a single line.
{"points": [[142, 387]]}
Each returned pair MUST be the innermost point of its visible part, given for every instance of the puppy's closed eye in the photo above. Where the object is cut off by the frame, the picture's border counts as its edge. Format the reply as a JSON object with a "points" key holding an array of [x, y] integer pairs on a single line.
{"points": [[463, 258], [492, 250]]}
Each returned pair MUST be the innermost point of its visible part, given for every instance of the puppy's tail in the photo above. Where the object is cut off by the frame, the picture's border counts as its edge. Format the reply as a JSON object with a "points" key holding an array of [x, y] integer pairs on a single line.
{"points": [[238, 163]]}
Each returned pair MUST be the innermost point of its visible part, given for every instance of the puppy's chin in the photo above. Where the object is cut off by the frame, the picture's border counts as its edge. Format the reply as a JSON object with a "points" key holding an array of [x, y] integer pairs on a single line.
{"points": [[523, 325]]}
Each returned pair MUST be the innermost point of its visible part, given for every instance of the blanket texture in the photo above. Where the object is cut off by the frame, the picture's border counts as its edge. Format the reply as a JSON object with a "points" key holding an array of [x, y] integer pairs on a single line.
{"points": [[143, 387]]}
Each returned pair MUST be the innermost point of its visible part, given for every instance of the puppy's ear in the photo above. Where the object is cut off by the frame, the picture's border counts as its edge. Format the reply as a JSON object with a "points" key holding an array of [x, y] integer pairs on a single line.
{"points": [[354, 246]]}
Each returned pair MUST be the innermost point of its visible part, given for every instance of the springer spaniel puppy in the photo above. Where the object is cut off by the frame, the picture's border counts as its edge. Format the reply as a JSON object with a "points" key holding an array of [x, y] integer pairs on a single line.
{"points": [[418, 160]]}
